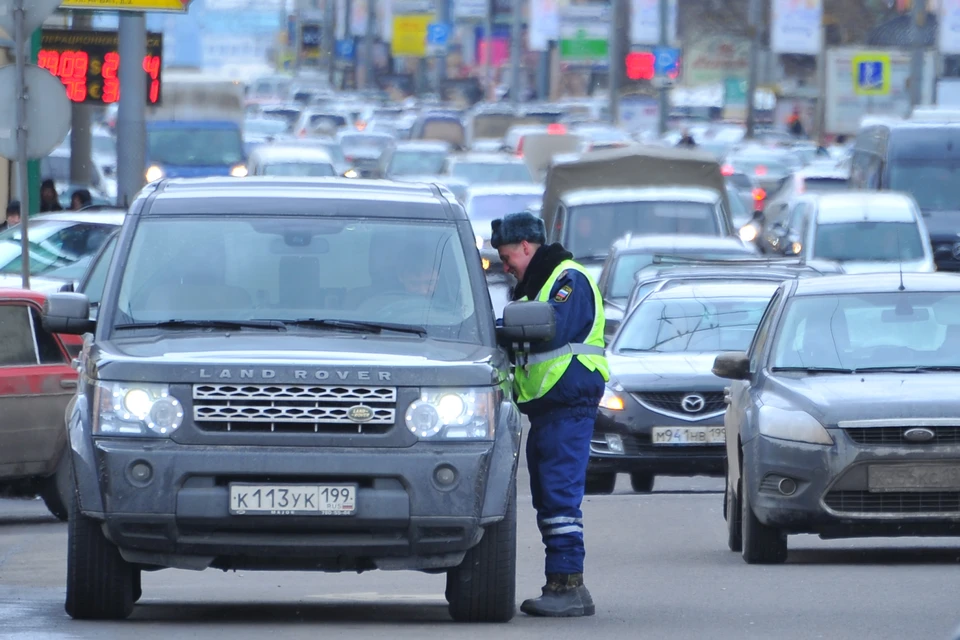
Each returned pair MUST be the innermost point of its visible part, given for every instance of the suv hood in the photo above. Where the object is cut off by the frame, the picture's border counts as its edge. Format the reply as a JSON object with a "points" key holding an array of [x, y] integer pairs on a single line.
{"points": [[295, 358], [867, 396], [665, 371]]}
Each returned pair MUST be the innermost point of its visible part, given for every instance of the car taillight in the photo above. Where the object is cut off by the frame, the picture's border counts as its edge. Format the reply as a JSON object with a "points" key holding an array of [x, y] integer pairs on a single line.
{"points": [[760, 170], [759, 194], [556, 129], [727, 170], [520, 147], [348, 159]]}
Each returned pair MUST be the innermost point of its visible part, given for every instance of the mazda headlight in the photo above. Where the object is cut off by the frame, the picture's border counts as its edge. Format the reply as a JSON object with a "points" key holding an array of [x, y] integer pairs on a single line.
{"points": [[136, 409], [611, 400], [239, 171], [454, 414], [798, 426], [154, 173]]}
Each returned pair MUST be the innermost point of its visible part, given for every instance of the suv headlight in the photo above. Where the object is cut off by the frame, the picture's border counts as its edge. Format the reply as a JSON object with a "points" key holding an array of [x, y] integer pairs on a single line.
{"points": [[239, 171], [135, 409], [454, 414], [798, 426]]}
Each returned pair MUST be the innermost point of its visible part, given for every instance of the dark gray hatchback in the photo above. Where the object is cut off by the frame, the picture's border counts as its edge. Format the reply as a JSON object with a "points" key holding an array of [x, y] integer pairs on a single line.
{"points": [[292, 374], [843, 419]]}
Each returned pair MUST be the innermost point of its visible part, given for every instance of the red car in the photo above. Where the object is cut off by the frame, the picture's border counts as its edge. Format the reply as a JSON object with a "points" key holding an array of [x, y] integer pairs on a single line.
{"points": [[37, 381]]}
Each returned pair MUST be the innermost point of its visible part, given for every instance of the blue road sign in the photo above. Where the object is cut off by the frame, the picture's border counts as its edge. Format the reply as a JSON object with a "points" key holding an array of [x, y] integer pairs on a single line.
{"points": [[666, 60], [438, 34], [870, 75], [344, 49]]}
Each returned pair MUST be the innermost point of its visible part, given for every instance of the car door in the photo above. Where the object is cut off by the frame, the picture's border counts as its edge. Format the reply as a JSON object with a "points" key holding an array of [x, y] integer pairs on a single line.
{"points": [[738, 395], [36, 384]]}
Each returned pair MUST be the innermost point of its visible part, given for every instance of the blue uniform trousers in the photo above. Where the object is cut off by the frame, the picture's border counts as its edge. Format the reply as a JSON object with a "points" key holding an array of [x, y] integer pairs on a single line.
{"points": [[558, 448]]}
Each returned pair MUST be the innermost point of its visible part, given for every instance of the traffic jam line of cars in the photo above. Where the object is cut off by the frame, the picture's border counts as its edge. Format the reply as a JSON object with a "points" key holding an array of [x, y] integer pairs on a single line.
{"points": [[760, 312]]}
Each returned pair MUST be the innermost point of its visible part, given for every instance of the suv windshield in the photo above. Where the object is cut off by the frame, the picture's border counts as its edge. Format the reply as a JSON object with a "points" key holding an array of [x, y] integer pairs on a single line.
{"points": [[692, 324], [594, 227], [195, 146], [417, 163], [871, 241], [279, 268], [491, 172]]}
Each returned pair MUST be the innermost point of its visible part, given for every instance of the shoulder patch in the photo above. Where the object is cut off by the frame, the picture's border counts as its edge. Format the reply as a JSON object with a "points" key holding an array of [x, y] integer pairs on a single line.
{"points": [[563, 294], [563, 274]]}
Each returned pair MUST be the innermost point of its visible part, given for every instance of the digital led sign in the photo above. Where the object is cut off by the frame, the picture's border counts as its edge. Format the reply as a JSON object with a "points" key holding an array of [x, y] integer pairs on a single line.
{"points": [[88, 64]]}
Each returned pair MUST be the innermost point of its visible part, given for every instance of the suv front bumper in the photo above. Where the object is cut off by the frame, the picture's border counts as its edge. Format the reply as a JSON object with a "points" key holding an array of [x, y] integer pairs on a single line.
{"points": [[404, 518]]}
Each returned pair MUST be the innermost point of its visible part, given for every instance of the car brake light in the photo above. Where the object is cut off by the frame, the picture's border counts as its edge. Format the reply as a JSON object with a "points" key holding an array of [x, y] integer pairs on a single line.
{"points": [[727, 170], [348, 159], [556, 129], [759, 194], [520, 147], [760, 170]]}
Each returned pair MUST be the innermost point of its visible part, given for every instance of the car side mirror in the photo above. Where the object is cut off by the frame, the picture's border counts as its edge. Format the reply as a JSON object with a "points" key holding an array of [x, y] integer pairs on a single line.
{"points": [[732, 366], [67, 287], [68, 313], [527, 322]]}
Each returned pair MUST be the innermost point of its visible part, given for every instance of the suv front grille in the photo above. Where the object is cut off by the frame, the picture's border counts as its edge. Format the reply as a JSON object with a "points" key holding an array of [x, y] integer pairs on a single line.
{"points": [[293, 408], [899, 502], [673, 402], [894, 435]]}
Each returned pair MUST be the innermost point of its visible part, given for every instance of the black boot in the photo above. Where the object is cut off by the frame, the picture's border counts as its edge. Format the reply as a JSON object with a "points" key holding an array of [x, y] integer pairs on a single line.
{"points": [[564, 596]]}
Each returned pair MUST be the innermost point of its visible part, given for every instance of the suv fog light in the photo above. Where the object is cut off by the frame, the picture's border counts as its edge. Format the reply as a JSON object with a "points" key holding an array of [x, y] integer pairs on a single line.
{"points": [[141, 472], [614, 442], [445, 475]]}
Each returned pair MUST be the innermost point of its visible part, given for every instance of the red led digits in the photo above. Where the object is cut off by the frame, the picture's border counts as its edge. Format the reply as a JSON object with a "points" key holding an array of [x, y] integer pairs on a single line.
{"points": [[111, 84], [151, 64], [49, 60], [71, 67]]}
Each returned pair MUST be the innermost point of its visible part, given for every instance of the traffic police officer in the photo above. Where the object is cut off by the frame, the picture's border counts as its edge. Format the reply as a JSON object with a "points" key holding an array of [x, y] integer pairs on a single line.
{"points": [[559, 389]]}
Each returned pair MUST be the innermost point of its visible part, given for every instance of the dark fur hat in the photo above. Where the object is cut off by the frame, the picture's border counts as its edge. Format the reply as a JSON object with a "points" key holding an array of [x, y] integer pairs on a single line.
{"points": [[517, 227]]}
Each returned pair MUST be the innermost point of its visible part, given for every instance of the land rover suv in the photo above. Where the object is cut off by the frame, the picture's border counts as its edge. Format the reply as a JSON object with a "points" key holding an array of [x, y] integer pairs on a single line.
{"points": [[290, 374]]}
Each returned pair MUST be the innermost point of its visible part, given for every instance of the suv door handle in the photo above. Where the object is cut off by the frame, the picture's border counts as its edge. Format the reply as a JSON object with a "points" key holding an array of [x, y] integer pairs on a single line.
{"points": [[68, 384]]}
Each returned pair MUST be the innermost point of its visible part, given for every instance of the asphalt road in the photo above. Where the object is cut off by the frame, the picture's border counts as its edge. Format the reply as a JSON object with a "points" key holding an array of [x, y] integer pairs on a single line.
{"points": [[657, 566]]}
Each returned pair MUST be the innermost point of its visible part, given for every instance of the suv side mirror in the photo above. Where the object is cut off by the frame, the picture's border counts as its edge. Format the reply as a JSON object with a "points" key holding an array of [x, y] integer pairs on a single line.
{"points": [[67, 287], [732, 366], [527, 322], [68, 313]]}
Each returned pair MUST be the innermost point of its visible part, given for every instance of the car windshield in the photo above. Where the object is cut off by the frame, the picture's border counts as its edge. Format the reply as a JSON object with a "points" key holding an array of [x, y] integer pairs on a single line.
{"points": [[491, 172], [289, 116], [872, 241], [195, 147], [351, 143], [692, 324], [54, 244], [852, 331], [594, 227], [417, 163], [490, 207], [626, 268], [933, 182], [299, 170], [824, 185], [265, 126], [760, 166], [277, 268]]}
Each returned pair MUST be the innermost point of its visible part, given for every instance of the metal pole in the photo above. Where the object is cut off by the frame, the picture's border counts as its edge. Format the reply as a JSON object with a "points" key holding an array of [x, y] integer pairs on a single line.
{"points": [[918, 11], [491, 93], [369, 39], [131, 115], [443, 17], [753, 20], [516, 44], [616, 62], [664, 92], [20, 36], [543, 75], [330, 37], [821, 113], [81, 143]]}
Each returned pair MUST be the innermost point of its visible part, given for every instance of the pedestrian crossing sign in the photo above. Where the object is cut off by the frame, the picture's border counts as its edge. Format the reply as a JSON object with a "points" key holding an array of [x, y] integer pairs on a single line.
{"points": [[871, 74]]}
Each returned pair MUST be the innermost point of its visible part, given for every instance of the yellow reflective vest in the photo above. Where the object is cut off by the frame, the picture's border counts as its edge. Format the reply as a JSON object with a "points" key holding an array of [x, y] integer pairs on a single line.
{"points": [[544, 370]]}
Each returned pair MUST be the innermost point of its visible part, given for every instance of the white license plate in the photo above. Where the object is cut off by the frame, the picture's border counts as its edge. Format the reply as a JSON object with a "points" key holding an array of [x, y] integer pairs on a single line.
{"points": [[293, 499], [689, 436]]}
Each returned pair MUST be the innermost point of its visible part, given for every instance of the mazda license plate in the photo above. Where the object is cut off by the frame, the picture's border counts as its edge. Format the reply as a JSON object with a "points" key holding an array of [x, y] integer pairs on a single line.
{"points": [[688, 436]]}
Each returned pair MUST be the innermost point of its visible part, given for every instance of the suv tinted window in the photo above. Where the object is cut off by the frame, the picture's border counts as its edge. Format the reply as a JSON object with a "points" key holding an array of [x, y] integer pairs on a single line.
{"points": [[16, 339], [47, 346], [219, 268]]}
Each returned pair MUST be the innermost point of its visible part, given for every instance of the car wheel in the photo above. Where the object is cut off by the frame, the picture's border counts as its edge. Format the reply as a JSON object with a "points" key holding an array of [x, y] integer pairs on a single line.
{"points": [[734, 519], [100, 583], [761, 544], [600, 483], [56, 489], [641, 482], [484, 587]]}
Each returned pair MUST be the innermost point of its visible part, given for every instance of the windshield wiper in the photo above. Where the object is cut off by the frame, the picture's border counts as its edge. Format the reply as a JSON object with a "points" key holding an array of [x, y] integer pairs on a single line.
{"points": [[206, 324], [355, 325], [815, 369], [910, 369]]}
